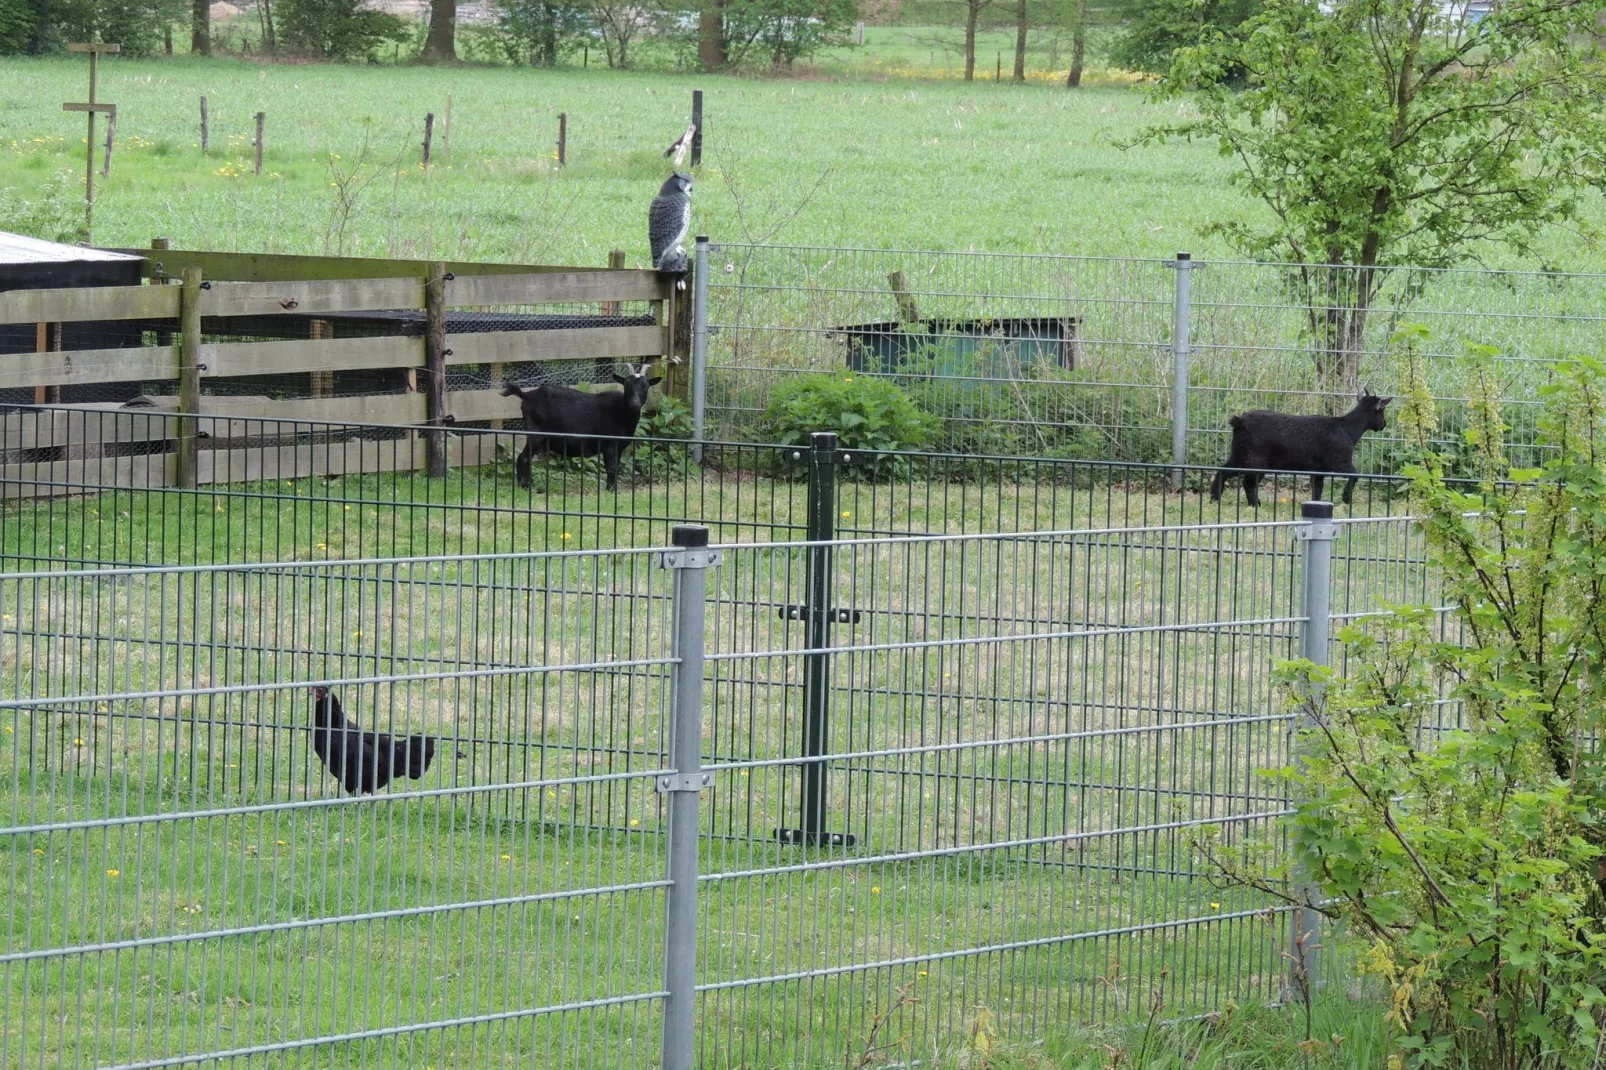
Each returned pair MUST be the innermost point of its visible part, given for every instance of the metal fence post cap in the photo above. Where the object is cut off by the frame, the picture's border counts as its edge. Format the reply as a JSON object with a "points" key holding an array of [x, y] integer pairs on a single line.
{"points": [[823, 440], [1184, 256], [1316, 510], [689, 536], [701, 239]]}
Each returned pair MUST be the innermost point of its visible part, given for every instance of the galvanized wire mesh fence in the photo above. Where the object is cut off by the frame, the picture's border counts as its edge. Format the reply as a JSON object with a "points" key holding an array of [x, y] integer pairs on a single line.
{"points": [[965, 767], [1077, 356]]}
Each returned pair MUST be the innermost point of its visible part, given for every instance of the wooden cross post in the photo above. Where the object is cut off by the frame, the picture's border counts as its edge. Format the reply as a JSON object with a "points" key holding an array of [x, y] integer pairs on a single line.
{"points": [[92, 106]]}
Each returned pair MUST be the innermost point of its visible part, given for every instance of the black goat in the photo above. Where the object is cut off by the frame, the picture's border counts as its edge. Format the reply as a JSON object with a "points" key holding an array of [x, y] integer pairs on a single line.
{"points": [[1280, 442], [560, 413]]}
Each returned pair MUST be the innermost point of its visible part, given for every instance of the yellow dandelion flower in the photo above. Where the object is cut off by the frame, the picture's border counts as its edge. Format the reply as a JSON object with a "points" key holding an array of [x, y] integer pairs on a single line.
{"points": [[1215, 906], [507, 858], [112, 873], [281, 843], [78, 743], [567, 536], [875, 889], [38, 851], [634, 822]]}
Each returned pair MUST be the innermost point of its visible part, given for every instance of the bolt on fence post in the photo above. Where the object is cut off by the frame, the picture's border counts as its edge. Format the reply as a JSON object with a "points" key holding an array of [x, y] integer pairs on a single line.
{"points": [[699, 345], [817, 633], [1181, 339], [1317, 534], [691, 560]]}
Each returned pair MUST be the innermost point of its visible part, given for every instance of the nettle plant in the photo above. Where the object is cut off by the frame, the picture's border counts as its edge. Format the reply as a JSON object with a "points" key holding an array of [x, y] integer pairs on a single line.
{"points": [[1452, 804]]}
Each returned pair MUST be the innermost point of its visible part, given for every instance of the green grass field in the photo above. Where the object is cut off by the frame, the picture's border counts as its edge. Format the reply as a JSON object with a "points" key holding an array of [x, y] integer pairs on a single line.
{"points": [[529, 851], [933, 164]]}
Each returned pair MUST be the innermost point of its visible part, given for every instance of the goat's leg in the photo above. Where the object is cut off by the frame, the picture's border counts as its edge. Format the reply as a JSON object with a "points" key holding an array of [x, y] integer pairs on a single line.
{"points": [[1316, 485], [1349, 487], [521, 465], [1217, 484], [1252, 488], [610, 461]]}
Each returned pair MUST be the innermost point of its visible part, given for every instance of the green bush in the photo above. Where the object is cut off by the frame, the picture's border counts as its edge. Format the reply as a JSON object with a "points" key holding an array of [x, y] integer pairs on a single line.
{"points": [[337, 29], [18, 21], [1450, 800], [865, 412], [54, 212]]}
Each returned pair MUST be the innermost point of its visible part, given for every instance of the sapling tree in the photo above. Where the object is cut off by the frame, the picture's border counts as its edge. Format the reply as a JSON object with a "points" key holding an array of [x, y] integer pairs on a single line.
{"points": [[1380, 133]]}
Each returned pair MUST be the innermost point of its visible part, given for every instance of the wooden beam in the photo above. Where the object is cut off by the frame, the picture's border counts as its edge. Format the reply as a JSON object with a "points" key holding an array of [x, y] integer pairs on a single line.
{"points": [[578, 343], [49, 479], [564, 286], [87, 304], [281, 267], [435, 370], [308, 298], [189, 378], [298, 462], [86, 366], [227, 359]]}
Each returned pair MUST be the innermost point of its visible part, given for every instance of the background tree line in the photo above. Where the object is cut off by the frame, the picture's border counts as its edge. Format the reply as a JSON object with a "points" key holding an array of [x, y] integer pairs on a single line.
{"points": [[1138, 35]]}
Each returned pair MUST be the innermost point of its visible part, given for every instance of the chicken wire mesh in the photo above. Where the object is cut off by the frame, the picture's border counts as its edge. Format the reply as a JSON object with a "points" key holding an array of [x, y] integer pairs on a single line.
{"points": [[1025, 735], [1075, 356]]}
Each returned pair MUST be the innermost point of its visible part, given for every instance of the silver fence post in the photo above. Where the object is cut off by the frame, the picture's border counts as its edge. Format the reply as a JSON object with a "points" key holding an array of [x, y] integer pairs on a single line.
{"points": [[691, 560], [699, 346], [1181, 341], [1317, 533]]}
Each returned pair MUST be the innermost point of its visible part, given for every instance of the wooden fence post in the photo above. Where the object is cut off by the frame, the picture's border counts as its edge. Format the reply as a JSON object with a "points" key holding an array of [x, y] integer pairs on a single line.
{"points": [[203, 125], [616, 262], [908, 310], [429, 133], [188, 461], [697, 121], [563, 138], [446, 133], [262, 117], [111, 136], [435, 370]]}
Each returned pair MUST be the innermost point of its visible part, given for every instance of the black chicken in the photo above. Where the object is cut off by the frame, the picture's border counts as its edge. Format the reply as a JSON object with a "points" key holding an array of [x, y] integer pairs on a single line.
{"points": [[364, 762]]}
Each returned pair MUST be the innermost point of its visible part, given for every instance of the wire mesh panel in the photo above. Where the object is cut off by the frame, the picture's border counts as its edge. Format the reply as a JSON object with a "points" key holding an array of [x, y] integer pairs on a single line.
{"points": [[1022, 744], [206, 869], [1073, 356]]}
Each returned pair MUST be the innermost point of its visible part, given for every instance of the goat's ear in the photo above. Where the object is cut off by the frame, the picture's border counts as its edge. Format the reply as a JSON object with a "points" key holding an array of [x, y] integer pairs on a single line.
{"points": [[621, 379], [654, 380]]}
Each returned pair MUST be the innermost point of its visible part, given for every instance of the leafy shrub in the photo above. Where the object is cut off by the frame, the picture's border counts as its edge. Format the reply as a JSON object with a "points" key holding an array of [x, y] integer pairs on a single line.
{"points": [[537, 32], [337, 29], [1458, 842], [54, 212], [18, 21], [865, 412]]}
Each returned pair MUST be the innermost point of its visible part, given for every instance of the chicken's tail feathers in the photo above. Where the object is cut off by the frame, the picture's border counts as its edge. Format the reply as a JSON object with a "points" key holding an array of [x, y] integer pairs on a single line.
{"points": [[415, 754]]}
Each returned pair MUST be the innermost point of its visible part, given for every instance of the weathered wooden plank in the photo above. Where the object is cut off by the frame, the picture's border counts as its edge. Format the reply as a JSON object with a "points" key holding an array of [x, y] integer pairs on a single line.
{"points": [[550, 287], [49, 479], [468, 406], [578, 343], [307, 298], [299, 462], [279, 267], [268, 418], [88, 365], [88, 303], [478, 448], [227, 359], [87, 425]]}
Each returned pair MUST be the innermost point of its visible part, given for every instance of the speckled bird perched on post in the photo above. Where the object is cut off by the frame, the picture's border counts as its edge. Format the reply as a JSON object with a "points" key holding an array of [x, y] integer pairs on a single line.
{"points": [[668, 223]]}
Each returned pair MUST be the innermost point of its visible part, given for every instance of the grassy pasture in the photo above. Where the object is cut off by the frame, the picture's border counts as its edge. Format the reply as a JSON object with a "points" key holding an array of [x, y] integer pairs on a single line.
{"points": [[933, 164], [1116, 730]]}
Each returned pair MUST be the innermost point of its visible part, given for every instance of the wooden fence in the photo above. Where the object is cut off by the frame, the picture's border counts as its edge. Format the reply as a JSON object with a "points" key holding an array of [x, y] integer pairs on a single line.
{"points": [[189, 439]]}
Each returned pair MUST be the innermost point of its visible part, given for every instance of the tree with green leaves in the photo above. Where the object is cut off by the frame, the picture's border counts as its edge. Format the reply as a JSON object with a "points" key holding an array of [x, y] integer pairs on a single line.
{"points": [[1453, 787], [1153, 30], [1381, 133]]}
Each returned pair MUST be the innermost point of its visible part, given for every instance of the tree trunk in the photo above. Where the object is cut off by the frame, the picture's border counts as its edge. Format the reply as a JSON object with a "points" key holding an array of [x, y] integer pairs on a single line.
{"points": [[711, 37], [1073, 79], [201, 27], [441, 44], [972, 16], [1020, 40], [270, 41]]}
